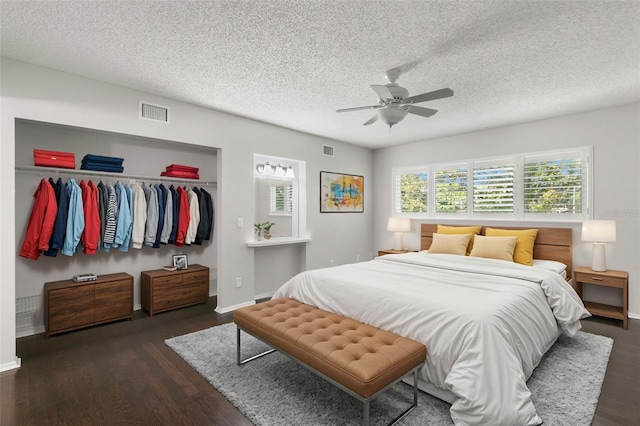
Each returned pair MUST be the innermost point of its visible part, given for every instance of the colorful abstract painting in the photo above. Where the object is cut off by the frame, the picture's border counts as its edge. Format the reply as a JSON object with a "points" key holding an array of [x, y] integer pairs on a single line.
{"points": [[341, 193]]}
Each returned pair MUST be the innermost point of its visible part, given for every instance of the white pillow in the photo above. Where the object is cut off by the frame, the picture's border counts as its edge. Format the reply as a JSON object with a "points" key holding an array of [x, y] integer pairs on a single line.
{"points": [[549, 265]]}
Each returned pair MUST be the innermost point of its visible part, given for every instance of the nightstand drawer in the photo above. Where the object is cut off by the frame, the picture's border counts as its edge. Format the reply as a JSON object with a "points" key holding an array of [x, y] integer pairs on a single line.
{"points": [[600, 280]]}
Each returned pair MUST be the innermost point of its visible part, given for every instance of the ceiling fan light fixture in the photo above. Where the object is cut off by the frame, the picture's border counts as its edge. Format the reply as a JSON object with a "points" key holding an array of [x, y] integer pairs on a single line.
{"points": [[392, 116]]}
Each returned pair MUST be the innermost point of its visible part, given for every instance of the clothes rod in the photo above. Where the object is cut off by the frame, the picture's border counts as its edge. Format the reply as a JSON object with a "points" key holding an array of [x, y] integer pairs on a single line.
{"points": [[58, 171]]}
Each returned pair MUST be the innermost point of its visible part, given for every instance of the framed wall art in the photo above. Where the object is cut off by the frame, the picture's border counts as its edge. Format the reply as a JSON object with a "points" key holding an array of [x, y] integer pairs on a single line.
{"points": [[180, 261], [341, 193]]}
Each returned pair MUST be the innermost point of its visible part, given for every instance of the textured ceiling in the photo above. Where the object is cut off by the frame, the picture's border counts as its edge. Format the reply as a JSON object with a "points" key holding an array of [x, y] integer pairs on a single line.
{"points": [[293, 63]]}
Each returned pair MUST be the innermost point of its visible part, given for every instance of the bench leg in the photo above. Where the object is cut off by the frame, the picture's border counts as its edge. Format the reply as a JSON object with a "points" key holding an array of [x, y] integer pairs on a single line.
{"points": [[238, 356]]}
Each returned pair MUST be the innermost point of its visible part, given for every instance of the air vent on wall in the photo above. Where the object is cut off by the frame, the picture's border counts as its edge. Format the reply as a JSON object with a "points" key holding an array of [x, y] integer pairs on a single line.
{"points": [[327, 150], [151, 112]]}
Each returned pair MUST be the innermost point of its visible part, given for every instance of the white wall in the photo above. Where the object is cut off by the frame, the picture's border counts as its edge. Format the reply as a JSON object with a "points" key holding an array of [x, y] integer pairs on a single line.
{"points": [[40, 94], [614, 134]]}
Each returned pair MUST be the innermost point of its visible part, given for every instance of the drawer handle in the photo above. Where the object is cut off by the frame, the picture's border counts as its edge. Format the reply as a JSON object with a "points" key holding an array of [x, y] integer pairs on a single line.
{"points": [[597, 279]]}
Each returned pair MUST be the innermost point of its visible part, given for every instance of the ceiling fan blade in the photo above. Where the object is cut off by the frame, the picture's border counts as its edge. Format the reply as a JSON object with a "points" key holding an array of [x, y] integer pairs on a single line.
{"points": [[430, 96], [371, 120], [425, 112], [382, 91], [358, 108]]}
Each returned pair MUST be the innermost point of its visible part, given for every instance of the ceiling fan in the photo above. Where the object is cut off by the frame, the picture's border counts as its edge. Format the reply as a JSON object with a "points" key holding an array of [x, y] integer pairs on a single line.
{"points": [[395, 103]]}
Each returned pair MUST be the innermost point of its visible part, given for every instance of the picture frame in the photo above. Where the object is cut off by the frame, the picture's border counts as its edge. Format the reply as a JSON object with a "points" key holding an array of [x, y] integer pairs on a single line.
{"points": [[180, 261], [341, 193]]}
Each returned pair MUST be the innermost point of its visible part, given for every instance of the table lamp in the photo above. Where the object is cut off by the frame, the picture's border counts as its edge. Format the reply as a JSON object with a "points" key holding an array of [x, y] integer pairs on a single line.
{"points": [[599, 232], [399, 225]]}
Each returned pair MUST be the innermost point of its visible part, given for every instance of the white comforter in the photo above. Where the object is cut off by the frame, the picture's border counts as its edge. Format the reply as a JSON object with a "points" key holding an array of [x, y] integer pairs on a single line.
{"points": [[486, 323]]}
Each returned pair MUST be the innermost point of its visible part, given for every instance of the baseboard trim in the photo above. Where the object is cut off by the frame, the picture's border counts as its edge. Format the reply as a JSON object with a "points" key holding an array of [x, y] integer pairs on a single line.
{"points": [[11, 365], [220, 310]]}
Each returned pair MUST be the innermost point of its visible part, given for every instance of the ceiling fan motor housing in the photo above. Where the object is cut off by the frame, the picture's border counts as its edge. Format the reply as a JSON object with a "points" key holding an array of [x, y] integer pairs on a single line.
{"points": [[398, 92]]}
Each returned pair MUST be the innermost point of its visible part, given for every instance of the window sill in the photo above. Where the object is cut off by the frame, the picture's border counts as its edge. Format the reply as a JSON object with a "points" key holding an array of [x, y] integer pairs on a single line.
{"points": [[278, 242]]}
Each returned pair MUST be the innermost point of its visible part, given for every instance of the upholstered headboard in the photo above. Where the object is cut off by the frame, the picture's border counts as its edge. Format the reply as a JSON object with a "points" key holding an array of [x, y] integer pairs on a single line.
{"points": [[551, 243]]}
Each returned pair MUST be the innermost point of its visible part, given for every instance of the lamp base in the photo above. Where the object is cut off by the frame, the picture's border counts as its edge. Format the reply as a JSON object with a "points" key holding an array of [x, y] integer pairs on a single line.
{"points": [[398, 244], [598, 262]]}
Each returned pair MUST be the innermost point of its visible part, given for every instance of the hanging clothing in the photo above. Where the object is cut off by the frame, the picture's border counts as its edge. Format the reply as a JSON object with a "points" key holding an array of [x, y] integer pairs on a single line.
{"points": [[139, 216], [41, 221], [168, 215], [183, 219], [152, 217], [75, 219], [161, 206], [204, 217], [124, 247], [210, 213], [194, 217], [112, 218], [124, 220], [60, 225], [103, 202], [176, 214], [91, 233]]}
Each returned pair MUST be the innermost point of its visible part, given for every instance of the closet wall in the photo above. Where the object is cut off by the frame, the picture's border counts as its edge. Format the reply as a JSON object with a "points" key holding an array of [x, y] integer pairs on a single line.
{"points": [[143, 157]]}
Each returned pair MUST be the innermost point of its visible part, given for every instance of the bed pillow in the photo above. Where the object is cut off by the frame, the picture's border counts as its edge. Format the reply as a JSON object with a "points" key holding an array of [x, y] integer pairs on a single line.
{"points": [[550, 265], [494, 247], [524, 247], [473, 230], [450, 244]]}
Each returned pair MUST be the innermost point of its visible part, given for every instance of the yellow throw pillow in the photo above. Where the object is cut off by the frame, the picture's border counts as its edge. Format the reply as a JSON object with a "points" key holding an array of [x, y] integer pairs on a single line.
{"points": [[450, 244], [524, 247], [473, 230], [494, 247]]}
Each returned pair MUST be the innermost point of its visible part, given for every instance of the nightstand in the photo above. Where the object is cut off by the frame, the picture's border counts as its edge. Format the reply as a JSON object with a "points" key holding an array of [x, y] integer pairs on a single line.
{"points": [[610, 278], [393, 251]]}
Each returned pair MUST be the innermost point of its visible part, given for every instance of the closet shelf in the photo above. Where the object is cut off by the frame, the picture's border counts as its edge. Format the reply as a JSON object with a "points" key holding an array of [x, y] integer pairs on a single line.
{"points": [[93, 173]]}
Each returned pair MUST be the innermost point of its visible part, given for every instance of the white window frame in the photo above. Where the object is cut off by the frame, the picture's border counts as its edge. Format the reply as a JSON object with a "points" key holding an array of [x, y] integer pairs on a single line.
{"points": [[584, 153]]}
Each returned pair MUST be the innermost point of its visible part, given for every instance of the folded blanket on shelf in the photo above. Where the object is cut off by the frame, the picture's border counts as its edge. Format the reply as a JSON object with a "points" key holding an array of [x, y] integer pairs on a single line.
{"points": [[60, 159], [180, 174], [100, 167], [101, 159], [182, 168]]}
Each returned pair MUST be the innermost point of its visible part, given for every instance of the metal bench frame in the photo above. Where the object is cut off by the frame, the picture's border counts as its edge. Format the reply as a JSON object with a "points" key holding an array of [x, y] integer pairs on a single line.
{"points": [[365, 401]]}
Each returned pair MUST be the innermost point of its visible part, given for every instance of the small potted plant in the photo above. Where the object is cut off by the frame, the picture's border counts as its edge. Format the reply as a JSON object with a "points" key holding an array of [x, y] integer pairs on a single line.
{"points": [[259, 229], [266, 227]]}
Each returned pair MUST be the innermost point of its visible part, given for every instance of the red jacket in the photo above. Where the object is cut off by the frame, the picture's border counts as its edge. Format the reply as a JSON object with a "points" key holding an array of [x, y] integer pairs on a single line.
{"points": [[41, 221], [91, 235], [183, 217]]}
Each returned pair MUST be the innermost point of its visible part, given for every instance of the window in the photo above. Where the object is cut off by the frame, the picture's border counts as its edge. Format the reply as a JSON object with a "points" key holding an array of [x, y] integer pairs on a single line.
{"points": [[451, 190], [542, 186], [413, 192], [493, 190], [280, 200]]}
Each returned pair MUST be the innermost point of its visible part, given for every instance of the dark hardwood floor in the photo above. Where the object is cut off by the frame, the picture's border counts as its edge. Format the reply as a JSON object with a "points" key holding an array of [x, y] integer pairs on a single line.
{"points": [[123, 374]]}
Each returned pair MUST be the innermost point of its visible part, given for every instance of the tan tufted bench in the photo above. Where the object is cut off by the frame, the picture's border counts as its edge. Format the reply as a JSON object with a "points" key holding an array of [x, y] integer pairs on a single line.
{"points": [[358, 358]]}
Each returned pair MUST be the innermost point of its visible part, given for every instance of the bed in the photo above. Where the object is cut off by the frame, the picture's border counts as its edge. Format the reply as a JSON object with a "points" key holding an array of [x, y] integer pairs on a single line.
{"points": [[486, 323]]}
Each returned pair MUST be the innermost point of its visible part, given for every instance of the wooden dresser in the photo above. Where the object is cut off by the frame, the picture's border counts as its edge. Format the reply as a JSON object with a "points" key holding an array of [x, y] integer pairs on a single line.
{"points": [[165, 290], [70, 305]]}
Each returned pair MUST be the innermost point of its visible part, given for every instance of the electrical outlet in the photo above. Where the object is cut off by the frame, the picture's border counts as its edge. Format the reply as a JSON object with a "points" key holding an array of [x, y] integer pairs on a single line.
{"points": [[357, 258], [240, 222], [238, 282], [331, 262]]}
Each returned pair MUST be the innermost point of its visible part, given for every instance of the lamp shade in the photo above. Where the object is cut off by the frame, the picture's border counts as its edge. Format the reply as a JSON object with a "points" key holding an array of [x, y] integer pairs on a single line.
{"points": [[399, 224], [599, 231]]}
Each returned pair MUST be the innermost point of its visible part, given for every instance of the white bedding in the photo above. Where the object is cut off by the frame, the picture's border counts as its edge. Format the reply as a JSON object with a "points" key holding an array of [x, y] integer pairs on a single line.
{"points": [[486, 323]]}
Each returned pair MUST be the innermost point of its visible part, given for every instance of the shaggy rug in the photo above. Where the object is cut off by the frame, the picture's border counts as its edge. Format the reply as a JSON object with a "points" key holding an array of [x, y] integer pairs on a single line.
{"points": [[275, 390]]}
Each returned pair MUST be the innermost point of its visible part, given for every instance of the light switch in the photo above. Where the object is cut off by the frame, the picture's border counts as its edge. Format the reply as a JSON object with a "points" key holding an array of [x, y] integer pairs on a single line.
{"points": [[240, 222]]}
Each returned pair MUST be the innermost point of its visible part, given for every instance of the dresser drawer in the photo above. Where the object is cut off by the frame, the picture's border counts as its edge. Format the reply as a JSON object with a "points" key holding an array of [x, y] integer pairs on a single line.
{"points": [[195, 277], [70, 307], [600, 280]]}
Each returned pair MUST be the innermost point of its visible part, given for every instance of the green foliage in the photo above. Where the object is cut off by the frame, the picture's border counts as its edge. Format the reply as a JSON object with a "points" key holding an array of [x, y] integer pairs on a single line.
{"points": [[553, 187], [451, 191], [413, 189]]}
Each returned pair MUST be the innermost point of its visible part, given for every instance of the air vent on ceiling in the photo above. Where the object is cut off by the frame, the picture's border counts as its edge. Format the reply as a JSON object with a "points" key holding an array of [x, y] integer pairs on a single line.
{"points": [[153, 112], [327, 150]]}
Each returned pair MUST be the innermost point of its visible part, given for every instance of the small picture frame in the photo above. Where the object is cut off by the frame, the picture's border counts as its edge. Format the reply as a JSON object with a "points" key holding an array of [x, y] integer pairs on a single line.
{"points": [[180, 261]]}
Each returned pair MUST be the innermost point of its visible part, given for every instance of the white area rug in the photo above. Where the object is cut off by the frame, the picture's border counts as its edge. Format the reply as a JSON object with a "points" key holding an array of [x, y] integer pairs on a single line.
{"points": [[275, 390]]}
